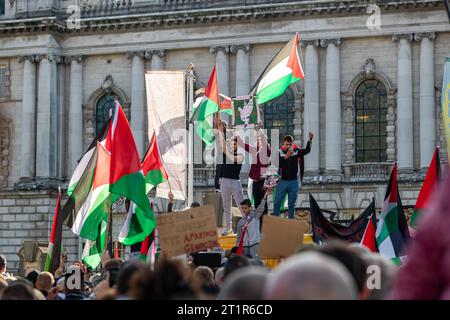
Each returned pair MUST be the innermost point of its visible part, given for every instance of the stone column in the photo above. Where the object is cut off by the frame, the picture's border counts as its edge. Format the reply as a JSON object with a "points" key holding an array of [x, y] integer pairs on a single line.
{"points": [[242, 68], [75, 116], [157, 62], [427, 94], [332, 107], [46, 129], [27, 144], [138, 112], [311, 107], [404, 103], [222, 62]]}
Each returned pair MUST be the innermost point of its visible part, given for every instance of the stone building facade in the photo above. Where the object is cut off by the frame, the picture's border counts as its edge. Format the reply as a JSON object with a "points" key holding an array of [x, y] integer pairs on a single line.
{"points": [[62, 61]]}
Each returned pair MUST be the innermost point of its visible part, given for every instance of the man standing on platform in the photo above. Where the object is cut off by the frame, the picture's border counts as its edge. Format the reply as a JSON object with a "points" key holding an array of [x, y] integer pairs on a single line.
{"points": [[230, 183], [260, 162], [291, 167]]}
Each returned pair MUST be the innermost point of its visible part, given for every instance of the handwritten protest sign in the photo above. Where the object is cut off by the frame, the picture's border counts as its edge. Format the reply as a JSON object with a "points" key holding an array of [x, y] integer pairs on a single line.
{"points": [[187, 231], [280, 237]]}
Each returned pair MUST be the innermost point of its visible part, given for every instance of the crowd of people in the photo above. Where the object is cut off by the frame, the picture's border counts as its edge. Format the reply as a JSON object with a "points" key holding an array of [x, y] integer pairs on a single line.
{"points": [[335, 270]]}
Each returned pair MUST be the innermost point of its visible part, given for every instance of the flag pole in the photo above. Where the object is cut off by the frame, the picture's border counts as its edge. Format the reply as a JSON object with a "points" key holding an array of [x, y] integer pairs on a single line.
{"points": [[190, 180]]}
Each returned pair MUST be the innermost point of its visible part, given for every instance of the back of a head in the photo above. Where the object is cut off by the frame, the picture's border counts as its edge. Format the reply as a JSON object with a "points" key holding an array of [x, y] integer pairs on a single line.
{"points": [[2, 262], [204, 275], [247, 284], [310, 276], [382, 286], [195, 204], [218, 277], [128, 269], [350, 258], [234, 263], [18, 290], [32, 276], [112, 264], [44, 281]]}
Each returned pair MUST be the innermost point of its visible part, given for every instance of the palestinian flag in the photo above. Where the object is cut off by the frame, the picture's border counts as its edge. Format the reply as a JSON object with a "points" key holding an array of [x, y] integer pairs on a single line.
{"points": [[225, 104], [369, 240], [284, 70], [147, 248], [210, 103], [94, 209], [138, 223], [324, 229], [54, 246], [83, 162], [93, 249], [431, 180], [80, 187], [392, 231], [125, 177]]}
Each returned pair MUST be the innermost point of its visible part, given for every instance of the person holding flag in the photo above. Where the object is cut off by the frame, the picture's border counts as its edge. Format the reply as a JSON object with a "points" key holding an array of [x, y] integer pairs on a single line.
{"points": [[230, 183]]}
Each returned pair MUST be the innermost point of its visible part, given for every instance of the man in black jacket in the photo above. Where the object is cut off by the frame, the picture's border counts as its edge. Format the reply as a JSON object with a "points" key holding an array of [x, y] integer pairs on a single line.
{"points": [[290, 167]]}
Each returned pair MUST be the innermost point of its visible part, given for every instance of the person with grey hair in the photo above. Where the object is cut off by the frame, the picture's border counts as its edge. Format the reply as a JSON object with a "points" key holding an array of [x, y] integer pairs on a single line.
{"points": [[379, 287], [310, 276], [247, 284], [219, 276]]}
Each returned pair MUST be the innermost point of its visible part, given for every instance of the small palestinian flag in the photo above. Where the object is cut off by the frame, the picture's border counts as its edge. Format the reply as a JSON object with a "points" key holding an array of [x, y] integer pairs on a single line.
{"points": [[138, 223], [54, 246], [210, 102], [284, 70], [429, 184], [369, 240], [392, 230]]}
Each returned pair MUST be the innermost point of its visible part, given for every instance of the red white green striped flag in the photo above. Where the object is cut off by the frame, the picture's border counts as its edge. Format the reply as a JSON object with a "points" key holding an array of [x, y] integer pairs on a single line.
{"points": [[138, 223], [126, 177], [369, 240], [54, 246], [210, 103], [284, 70], [429, 184], [392, 230]]}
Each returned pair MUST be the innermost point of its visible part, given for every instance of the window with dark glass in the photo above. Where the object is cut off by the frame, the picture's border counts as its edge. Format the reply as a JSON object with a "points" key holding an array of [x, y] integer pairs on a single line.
{"points": [[370, 107], [279, 114], [2, 7], [104, 105]]}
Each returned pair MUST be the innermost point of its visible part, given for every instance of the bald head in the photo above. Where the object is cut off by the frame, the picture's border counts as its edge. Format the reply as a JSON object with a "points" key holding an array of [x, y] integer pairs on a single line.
{"points": [[310, 276], [245, 284]]}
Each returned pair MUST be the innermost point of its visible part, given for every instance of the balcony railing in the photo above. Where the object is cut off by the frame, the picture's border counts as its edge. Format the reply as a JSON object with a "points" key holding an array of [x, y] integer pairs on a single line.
{"points": [[368, 171], [203, 177]]}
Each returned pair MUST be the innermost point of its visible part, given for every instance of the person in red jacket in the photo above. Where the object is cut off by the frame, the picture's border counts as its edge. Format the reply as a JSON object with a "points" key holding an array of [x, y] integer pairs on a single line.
{"points": [[425, 274]]}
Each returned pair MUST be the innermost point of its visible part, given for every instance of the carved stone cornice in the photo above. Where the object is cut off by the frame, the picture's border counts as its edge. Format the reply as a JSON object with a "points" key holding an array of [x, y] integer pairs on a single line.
{"points": [[420, 35], [245, 47], [155, 14], [315, 43], [407, 36], [215, 49], [325, 42]]}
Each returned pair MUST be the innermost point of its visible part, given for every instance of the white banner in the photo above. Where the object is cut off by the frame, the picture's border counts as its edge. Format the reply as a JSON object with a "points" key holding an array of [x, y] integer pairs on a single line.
{"points": [[167, 116]]}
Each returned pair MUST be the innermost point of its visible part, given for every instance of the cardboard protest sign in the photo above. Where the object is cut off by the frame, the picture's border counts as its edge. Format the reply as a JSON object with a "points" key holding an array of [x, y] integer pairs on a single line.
{"points": [[280, 237], [187, 231]]}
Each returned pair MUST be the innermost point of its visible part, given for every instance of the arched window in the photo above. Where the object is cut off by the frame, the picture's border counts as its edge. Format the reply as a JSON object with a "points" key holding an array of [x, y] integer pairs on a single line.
{"points": [[279, 114], [104, 104], [370, 107]]}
